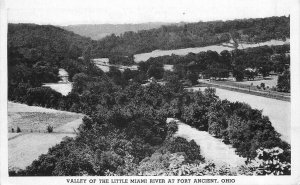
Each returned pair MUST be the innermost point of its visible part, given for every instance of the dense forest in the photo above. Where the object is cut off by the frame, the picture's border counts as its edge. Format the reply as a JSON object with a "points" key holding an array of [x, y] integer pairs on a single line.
{"points": [[193, 35], [125, 131]]}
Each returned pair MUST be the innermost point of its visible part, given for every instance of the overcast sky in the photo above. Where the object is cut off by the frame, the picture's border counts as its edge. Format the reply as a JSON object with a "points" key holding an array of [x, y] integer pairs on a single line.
{"points": [[65, 12]]}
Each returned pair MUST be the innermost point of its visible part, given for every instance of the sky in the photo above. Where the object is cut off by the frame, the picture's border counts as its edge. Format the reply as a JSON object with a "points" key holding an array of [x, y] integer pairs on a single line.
{"points": [[67, 12]]}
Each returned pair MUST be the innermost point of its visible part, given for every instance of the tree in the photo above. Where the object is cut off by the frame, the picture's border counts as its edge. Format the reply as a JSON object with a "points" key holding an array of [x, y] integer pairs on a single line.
{"points": [[74, 51], [80, 81], [87, 53], [155, 71], [193, 77], [284, 81], [191, 149], [269, 162], [238, 74]]}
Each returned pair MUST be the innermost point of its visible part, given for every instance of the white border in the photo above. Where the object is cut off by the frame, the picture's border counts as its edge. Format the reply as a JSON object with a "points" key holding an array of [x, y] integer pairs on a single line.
{"points": [[295, 118]]}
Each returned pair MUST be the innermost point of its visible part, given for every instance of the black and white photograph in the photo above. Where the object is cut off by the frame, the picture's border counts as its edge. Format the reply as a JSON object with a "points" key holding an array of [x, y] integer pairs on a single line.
{"points": [[202, 89]]}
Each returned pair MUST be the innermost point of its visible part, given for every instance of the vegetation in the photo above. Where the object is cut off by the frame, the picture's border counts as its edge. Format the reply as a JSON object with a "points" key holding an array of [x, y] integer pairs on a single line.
{"points": [[125, 130], [284, 82], [49, 129], [193, 35], [18, 130], [34, 55], [248, 63]]}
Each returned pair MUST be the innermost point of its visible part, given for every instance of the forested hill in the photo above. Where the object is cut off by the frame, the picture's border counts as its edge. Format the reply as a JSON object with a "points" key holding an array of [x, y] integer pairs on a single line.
{"points": [[98, 31], [193, 35], [44, 42], [35, 53]]}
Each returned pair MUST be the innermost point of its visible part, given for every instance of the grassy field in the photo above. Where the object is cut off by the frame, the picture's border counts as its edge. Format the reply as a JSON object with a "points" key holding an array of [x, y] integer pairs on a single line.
{"points": [[270, 81], [24, 149], [38, 121], [247, 89], [33, 140]]}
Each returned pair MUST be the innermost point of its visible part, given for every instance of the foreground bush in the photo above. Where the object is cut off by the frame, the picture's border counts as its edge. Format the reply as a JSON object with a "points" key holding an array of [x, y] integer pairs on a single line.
{"points": [[271, 162]]}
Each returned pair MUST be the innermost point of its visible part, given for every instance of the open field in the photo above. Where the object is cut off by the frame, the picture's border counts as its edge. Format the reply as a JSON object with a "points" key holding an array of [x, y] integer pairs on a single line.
{"points": [[33, 140], [23, 150], [212, 149], [38, 121], [279, 112], [269, 81], [247, 89], [19, 107], [168, 67], [218, 48]]}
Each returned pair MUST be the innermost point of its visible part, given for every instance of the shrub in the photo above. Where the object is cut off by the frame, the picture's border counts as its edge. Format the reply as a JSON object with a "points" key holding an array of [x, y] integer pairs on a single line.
{"points": [[191, 149], [172, 127], [109, 160], [283, 82], [269, 162], [49, 128], [18, 129]]}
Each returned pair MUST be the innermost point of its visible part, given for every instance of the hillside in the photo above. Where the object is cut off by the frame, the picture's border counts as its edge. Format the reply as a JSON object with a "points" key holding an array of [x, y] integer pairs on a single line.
{"points": [[193, 35], [98, 31], [35, 53], [43, 42]]}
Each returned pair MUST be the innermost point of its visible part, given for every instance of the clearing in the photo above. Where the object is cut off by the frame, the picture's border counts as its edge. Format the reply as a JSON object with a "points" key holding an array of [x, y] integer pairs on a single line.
{"points": [[33, 140], [270, 81]]}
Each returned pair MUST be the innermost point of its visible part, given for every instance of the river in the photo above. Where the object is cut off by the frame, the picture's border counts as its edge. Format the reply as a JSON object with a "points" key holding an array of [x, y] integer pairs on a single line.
{"points": [[279, 112], [63, 86], [103, 64], [211, 148]]}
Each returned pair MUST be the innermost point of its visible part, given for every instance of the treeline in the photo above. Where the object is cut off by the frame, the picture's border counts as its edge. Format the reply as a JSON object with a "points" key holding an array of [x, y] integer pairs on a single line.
{"points": [[247, 63], [193, 35], [121, 60]]}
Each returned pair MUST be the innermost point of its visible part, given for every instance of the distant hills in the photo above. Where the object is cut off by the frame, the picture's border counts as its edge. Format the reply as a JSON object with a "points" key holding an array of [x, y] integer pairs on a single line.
{"points": [[50, 43], [99, 31], [199, 34]]}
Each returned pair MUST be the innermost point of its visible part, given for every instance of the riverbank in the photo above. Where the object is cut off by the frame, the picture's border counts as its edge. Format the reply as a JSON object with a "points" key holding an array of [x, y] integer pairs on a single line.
{"points": [[245, 89], [278, 112], [211, 148]]}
